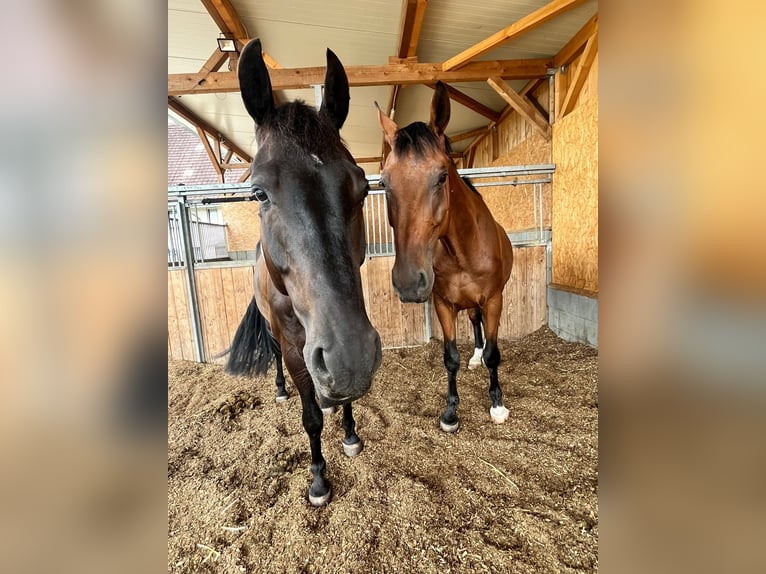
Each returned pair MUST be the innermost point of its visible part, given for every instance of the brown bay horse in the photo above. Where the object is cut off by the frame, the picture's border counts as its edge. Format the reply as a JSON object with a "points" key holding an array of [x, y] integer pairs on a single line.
{"points": [[308, 302], [447, 244]]}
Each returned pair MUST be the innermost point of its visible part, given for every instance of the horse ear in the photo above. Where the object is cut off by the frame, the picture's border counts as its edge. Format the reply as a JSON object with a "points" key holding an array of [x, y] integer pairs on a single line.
{"points": [[254, 82], [440, 109], [336, 95], [387, 125]]}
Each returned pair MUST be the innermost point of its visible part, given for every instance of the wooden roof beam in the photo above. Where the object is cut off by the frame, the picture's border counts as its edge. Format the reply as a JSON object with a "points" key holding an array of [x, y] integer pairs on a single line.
{"points": [[525, 24], [225, 17], [210, 153], [198, 122], [469, 134], [522, 106], [470, 103], [376, 75], [580, 74], [413, 12], [573, 48]]}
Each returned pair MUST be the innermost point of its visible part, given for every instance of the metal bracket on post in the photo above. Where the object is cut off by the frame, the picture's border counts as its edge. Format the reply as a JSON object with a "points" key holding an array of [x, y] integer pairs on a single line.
{"points": [[317, 95], [191, 286]]}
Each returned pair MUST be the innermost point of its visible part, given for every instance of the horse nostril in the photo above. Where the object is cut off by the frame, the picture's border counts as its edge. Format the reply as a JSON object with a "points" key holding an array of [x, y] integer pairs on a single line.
{"points": [[319, 364], [422, 282]]}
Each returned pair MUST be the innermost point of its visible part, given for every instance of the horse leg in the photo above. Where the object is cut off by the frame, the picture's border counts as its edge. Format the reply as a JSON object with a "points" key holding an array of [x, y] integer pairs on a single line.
{"points": [[492, 310], [478, 346], [280, 380], [313, 422], [449, 421], [352, 444]]}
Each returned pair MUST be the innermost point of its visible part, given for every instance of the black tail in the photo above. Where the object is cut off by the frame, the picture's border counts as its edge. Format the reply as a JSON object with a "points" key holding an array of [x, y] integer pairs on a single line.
{"points": [[252, 350]]}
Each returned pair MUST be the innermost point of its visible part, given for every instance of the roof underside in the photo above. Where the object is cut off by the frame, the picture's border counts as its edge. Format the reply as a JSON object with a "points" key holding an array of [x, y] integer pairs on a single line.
{"points": [[296, 33]]}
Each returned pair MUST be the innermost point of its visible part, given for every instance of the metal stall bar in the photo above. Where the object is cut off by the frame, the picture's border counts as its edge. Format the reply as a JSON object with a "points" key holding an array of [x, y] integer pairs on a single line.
{"points": [[191, 285]]}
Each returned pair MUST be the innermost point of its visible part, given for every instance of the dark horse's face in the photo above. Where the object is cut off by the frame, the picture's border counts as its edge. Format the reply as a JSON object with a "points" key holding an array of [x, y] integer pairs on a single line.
{"points": [[311, 194], [416, 176]]}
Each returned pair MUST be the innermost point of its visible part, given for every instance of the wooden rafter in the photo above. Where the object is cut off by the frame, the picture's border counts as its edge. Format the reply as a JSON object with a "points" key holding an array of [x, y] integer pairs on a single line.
{"points": [[525, 24], [468, 135], [470, 103], [214, 62], [580, 74], [413, 12], [225, 17], [210, 153], [376, 75], [198, 122], [521, 105], [573, 48]]}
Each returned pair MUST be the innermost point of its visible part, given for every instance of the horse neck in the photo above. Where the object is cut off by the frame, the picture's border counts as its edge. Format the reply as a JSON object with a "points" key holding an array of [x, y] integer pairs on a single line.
{"points": [[465, 211]]}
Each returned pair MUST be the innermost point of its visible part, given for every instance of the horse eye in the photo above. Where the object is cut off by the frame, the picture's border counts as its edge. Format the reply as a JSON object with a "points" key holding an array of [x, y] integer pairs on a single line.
{"points": [[442, 177], [260, 194]]}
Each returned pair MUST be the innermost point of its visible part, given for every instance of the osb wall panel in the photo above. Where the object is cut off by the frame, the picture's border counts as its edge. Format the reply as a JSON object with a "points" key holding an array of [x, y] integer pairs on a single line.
{"points": [[589, 89], [519, 144], [575, 198], [243, 225], [524, 299]]}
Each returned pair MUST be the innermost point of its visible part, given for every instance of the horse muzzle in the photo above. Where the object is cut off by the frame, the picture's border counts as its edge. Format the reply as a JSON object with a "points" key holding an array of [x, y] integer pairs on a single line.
{"points": [[414, 286], [343, 368]]}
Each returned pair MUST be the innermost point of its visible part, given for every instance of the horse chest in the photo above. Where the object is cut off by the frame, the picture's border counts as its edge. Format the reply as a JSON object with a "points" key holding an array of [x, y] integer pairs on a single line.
{"points": [[460, 288]]}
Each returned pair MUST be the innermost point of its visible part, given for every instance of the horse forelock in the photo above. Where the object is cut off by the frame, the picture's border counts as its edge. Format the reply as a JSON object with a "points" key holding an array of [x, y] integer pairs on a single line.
{"points": [[295, 123], [420, 140]]}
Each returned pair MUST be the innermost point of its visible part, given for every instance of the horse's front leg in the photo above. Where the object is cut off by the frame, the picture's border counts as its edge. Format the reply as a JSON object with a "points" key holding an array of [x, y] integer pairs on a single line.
{"points": [[352, 444], [492, 310], [449, 421], [313, 422]]}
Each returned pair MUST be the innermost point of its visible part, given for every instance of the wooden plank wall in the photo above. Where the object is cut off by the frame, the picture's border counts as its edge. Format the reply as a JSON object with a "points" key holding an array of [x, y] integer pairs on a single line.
{"points": [[225, 293], [525, 307], [399, 324], [180, 342]]}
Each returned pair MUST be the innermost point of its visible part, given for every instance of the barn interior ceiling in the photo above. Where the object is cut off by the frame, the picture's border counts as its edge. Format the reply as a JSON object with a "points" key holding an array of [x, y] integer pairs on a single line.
{"points": [[491, 54]]}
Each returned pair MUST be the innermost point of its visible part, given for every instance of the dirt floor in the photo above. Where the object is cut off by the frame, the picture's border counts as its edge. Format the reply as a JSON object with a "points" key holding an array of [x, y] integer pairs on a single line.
{"points": [[517, 497]]}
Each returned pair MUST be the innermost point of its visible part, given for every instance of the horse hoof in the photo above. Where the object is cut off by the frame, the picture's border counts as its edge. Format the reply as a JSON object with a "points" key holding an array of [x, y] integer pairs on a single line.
{"points": [[327, 411], [320, 500], [281, 398], [352, 450], [499, 414], [449, 428]]}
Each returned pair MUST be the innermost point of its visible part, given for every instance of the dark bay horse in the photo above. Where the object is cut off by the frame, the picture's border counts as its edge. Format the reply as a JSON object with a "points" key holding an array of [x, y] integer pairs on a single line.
{"points": [[308, 300], [447, 244]]}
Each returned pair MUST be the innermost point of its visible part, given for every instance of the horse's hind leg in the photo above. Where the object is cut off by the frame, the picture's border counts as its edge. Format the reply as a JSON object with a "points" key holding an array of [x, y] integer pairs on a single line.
{"points": [[280, 380], [498, 413], [478, 346], [449, 421], [352, 444]]}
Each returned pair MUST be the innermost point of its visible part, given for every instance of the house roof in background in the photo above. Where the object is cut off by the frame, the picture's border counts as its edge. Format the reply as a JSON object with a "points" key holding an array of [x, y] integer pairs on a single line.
{"points": [[188, 162]]}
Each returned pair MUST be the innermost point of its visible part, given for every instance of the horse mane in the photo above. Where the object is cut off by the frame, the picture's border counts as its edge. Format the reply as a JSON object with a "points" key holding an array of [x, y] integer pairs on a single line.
{"points": [[420, 139], [301, 124]]}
